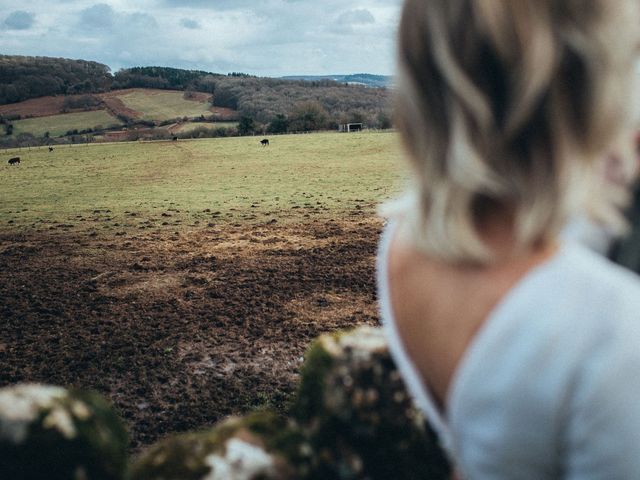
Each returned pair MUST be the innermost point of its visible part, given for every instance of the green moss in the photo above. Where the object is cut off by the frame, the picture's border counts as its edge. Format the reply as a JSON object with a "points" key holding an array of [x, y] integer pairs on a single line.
{"points": [[280, 435], [308, 401], [360, 420], [75, 434], [179, 457], [189, 456]]}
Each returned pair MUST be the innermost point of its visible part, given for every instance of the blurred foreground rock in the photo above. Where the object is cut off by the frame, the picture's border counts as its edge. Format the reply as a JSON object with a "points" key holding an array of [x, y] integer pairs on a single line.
{"points": [[52, 433], [361, 423], [259, 446]]}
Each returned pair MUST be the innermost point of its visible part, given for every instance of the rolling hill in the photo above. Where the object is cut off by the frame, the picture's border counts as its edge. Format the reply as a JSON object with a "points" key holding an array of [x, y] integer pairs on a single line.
{"points": [[61, 98]]}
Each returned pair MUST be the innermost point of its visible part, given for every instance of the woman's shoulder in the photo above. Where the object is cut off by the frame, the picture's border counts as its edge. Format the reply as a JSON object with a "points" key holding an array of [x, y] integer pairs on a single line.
{"points": [[553, 341], [561, 315], [600, 282]]}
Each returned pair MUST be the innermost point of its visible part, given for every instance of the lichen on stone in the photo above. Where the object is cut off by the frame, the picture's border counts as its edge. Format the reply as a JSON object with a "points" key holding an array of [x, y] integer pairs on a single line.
{"points": [[258, 446], [53, 433], [359, 418], [20, 405], [240, 461], [60, 419]]}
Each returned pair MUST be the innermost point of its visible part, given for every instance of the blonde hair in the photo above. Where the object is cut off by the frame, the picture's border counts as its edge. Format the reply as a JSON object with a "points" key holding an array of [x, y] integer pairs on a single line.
{"points": [[510, 106]]}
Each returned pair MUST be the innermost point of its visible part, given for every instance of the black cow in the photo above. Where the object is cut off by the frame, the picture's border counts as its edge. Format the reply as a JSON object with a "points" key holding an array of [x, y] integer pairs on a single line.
{"points": [[174, 139], [14, 161], [264, 142], [51, 149]]}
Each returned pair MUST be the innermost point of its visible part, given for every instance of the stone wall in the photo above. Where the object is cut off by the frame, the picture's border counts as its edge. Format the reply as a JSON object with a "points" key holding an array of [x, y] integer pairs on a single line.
{"points": [[352, 419]]}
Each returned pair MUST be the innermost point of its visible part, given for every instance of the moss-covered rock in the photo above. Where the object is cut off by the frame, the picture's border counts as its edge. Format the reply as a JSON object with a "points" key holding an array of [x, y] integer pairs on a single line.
{"points": [[259, 446], [360, 420], [53, 433]]}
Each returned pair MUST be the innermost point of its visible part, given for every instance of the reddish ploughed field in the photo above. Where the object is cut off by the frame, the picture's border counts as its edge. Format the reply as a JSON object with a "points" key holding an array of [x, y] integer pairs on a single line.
{"points": [[54, 105], [180, 329]]}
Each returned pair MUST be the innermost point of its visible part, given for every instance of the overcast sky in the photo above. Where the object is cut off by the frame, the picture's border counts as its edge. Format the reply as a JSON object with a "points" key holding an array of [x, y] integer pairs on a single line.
{"points": [[266, 37]]}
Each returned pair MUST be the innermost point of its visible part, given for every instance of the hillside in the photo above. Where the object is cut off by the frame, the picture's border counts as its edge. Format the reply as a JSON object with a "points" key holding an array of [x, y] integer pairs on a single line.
{"points": [[156, 102], [329, 102], [23, 77], [146, 113]]}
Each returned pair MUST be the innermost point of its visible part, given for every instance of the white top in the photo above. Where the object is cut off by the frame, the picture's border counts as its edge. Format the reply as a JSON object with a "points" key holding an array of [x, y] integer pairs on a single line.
{"points": [[550, 385]]}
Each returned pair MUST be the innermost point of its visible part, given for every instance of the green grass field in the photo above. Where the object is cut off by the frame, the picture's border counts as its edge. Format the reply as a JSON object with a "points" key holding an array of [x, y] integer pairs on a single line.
{"points": [[58, 125], [163, 105], [194, 181]]}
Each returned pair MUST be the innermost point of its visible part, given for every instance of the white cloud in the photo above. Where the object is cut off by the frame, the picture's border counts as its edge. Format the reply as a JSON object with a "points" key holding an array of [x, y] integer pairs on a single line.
{"points": [[271, 37], [100, 16]]}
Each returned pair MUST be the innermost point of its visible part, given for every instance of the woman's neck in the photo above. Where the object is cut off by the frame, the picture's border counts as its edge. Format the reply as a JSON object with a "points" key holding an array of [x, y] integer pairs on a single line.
{"points": [[498, 233]]}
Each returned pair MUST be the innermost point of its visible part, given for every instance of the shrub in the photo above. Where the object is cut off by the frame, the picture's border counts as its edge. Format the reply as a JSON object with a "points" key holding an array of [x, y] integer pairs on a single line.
{"points": [[246, 126], [280, 124]]}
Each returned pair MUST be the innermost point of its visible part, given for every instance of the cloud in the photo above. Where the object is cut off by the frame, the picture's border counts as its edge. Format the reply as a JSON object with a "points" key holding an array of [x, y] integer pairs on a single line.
{"points": [[190, 24], [271, 37], [359, 16], [138, 20], [19, 20], [211, 4], [100, 16], [351, 21]]}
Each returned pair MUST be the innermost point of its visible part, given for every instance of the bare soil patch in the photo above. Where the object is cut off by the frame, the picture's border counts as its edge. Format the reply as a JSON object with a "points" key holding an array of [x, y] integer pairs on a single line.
{"points": [[180, 329], [43, 107], [116, 106]]}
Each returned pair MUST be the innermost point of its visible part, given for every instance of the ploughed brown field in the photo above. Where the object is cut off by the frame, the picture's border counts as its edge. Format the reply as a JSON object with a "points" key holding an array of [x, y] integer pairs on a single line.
{"points": [[180, 331]]}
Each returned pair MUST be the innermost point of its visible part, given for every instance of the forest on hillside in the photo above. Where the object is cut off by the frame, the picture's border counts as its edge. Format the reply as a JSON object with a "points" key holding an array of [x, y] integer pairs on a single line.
{"points": [[262, 105], [301, 105], [22, 78], [259, 105]]}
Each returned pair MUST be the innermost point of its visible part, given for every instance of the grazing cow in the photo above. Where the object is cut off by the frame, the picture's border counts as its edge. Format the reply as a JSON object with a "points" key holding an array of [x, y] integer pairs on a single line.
{"points": [[14, 161], [51, 149], [264, 142], [174, 139]]}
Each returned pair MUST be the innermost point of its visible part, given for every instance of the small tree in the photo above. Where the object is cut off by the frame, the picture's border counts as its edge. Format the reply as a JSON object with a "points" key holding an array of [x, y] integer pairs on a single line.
{"points": [[225, 97], [384, 120], [357, 117], [308, 116], [246, 126], [280, 124]]}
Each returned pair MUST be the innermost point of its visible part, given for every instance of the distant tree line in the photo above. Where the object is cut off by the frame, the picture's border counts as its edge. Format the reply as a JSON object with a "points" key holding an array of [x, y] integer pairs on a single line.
{"points": [[278, 106], [23, 77], [84, 102], [163, 77]]}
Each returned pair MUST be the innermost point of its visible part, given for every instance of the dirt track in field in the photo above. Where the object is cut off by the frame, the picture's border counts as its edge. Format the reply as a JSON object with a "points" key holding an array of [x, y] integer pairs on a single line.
{"points": [[180, 329]]}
